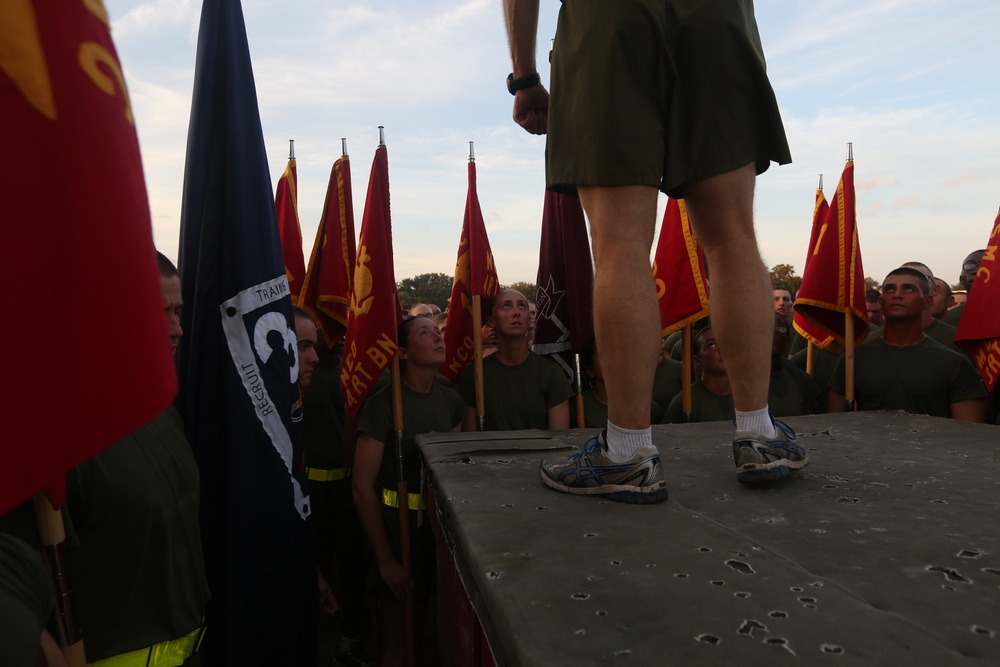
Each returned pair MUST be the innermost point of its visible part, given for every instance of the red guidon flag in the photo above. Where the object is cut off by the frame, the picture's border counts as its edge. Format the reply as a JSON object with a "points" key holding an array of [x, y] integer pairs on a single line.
{"points": [[475, 273], [564, 325], [327, 289], [370, 343], [78, 245], [979, 329], [809, 330], [835, 282], [286, 203], [679, 271]]}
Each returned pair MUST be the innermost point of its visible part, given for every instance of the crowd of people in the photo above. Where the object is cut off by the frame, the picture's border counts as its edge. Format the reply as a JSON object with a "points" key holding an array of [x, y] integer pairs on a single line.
{"points": [[909, 362], [669, 97]]}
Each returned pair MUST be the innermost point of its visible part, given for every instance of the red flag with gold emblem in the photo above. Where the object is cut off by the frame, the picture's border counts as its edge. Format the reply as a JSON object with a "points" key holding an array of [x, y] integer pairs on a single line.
{"points": [[286, 203], [326, 292], [805, 327], [679, 271], [370, 343], [475, 274], [835, 283], [979, 329], [78, 240]]}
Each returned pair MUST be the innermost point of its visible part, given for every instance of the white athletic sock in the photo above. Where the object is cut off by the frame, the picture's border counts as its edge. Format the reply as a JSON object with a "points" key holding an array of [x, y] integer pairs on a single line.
{"points": [[757, 420], [624, 443]]}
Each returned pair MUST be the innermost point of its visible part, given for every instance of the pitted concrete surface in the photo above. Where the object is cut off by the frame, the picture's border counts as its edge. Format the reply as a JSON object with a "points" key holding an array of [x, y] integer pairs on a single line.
{"points": [[884, 551]]}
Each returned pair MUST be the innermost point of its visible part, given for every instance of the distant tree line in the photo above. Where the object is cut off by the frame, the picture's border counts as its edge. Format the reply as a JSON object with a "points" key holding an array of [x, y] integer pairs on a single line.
{"points": [[783, 277], [436, 288]]}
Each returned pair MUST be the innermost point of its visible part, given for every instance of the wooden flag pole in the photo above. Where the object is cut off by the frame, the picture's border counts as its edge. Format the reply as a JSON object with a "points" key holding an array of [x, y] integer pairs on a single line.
{"points": [[686, 372], [52, 535], [849, 334], [402, 501], [581, 418], [810, 357], [849, 361], [477, 360]]}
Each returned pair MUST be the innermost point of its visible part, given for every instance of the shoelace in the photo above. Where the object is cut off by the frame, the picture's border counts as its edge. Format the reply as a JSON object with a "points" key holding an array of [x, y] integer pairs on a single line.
{"points": [[592, 446], [785, 428]]}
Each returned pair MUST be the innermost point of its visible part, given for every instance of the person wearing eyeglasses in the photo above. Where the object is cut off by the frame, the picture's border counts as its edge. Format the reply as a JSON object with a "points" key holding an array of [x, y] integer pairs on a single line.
{"points": [[970, 265]]}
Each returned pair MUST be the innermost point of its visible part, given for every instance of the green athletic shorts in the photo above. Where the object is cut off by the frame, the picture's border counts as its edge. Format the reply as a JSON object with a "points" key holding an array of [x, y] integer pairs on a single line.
{"points": [[659, 92]]}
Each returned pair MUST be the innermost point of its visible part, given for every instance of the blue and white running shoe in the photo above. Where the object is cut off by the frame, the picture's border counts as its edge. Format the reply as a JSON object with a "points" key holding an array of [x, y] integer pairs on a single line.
{"points": [[759, 459], [590, 472]]}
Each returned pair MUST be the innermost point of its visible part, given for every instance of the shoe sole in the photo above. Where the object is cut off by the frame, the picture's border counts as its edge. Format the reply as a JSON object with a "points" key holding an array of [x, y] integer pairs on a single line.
{"points": [[752, 473], [633, 495]]}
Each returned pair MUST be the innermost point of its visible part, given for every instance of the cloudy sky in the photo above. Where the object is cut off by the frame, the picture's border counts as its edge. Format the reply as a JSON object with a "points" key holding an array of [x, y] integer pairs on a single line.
{"points": [[913, 84]]}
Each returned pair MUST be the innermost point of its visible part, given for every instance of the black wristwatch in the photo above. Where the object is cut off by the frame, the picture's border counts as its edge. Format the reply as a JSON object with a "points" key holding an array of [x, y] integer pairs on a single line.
{"points": [[530, 81]]}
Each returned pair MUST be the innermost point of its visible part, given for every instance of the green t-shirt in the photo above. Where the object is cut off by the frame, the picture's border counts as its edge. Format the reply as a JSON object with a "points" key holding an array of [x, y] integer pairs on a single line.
{"points": [[954, 315], [516, 397], [138, 573], [26, 600], [323, 421], [666, 381], [824, 362], [705, 406], [596, 413], [942, 332], [925, 378], [440, 410], [789, 390]]}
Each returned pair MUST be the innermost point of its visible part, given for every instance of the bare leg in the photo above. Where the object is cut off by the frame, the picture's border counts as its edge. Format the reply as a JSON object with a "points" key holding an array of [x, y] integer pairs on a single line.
{"points": [[626, 317], [721, 210]]}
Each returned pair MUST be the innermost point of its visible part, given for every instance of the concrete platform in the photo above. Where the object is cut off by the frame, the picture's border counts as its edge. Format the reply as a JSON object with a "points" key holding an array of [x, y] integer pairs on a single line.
{"points": [[884, 551]]}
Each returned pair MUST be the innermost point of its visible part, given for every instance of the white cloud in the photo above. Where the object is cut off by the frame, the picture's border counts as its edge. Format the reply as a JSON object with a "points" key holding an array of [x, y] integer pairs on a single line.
{"points": [[906, 80]]}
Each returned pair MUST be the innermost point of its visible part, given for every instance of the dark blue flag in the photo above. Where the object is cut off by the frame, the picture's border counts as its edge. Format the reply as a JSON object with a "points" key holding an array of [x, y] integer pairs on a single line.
{"points": [[238, 369]]}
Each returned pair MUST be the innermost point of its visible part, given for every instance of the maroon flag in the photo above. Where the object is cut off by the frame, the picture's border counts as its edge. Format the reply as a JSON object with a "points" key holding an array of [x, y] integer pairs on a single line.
{"points": [[679, 271], [370, 343], [979, 329], [326, 292], [286, 203], [835, 283], [809, 330], [564, 324], [78, 240], [475, 274]]}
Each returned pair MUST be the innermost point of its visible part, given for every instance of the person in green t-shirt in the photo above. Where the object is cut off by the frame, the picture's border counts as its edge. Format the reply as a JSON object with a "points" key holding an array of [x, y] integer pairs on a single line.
{"points": [[791, 391], [711, 395], [906, 370], [595, 397], [970, 267], [27, 598], [138, 572], [522, 390], [427, 407]]}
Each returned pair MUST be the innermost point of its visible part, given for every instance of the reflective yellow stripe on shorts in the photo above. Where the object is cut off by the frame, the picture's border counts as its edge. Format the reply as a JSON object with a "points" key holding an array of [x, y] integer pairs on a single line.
{"points": [[321, 475], [413, 500], [170, 653]]}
